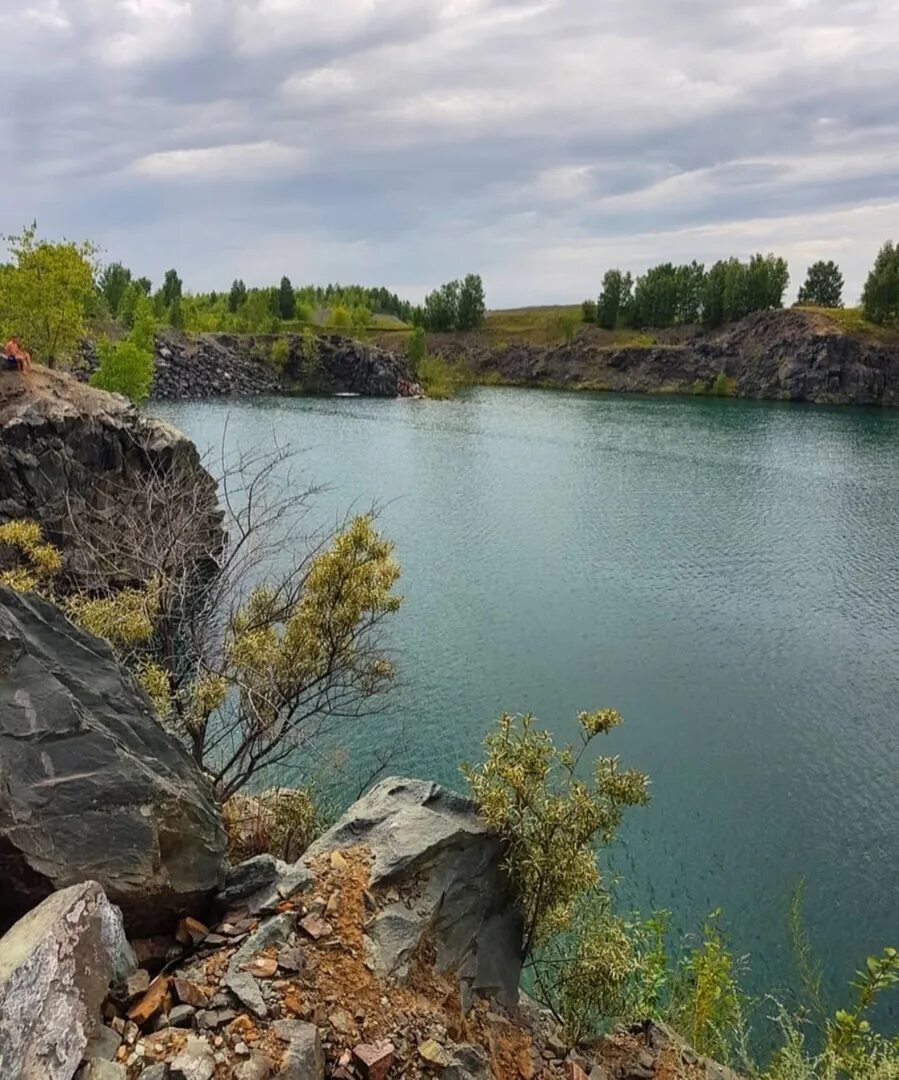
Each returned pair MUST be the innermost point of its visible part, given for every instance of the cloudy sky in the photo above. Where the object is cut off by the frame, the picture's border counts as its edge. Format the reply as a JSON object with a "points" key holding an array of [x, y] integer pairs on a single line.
{"points": [[405, 142]]}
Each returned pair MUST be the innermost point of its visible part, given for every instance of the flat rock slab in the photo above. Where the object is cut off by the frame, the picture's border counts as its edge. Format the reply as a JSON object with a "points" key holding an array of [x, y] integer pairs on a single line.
{"points": [[56, 966]]}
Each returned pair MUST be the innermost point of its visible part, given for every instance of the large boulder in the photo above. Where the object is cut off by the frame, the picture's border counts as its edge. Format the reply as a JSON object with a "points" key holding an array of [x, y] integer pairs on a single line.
{"points": [[109, 486], [91, 787], [56, 965], [434, 856]]}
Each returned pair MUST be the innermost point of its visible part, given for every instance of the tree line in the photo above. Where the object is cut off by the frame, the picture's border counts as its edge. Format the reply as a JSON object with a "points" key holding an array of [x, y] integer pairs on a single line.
{"points": [[689, 294]]}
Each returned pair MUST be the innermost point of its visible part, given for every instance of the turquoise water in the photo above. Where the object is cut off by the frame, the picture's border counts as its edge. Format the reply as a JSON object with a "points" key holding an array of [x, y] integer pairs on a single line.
{"points": [[724, 573]]}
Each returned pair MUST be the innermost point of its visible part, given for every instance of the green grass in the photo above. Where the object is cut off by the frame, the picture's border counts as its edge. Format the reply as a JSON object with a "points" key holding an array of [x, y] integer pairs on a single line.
{"points": [[852, 321]]}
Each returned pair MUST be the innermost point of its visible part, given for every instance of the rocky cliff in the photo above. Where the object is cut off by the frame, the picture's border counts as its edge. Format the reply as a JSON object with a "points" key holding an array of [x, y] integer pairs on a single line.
{"points": [[100, 478], [785, 355], [194, 366]]}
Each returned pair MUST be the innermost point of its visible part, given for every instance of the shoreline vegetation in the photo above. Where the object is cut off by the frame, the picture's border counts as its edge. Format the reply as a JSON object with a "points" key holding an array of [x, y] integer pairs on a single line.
{"points": [[55, 295]]}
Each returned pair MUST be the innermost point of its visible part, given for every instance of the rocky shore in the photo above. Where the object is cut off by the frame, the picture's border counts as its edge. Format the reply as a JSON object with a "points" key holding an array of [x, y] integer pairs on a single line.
{"points": [[132, 948], [200, 366], [790, 355]]}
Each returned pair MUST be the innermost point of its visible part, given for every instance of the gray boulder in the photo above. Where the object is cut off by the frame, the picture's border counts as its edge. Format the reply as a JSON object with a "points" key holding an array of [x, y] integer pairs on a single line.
{"points": [[91, 787], [426, 837], [56, 966]]}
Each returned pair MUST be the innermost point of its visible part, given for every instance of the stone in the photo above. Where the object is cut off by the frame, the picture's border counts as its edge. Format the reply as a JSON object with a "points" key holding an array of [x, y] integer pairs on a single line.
{"points": [[261, 883], [246, 990], [215, 1018], [189, 993], [341, 1022], [262, 967], [258, 1067], [98, 1069], [374, 1060], [191, 931], [271, 932], [96, 789], [159, 1071], [291, 959], [103, 1044], [194, 1062], [599, 1073], [137, 983], [143, 1010], [434, 1054], [315, 927], [469, 1063], [56, 966], [304, 1058], [426, 837], [573, 1071], [182, 1016]]}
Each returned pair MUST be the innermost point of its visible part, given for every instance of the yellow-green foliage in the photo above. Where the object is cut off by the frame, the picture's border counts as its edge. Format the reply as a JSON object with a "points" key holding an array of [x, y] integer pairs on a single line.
{"points": [[435, 377], [279, 354], [126, 367], [45, 293], [277, 655], [705, 1003], [124, 619], [40, 562], [282, 822], [549, 819], [852, 321]]}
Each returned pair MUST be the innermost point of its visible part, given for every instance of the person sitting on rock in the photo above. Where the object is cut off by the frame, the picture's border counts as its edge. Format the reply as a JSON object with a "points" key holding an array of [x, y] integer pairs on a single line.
{"points": [[16, 356]]}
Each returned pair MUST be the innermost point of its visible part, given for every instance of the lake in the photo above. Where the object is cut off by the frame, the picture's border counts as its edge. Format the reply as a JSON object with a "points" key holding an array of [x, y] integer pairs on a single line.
{"points": [[724, 573]]}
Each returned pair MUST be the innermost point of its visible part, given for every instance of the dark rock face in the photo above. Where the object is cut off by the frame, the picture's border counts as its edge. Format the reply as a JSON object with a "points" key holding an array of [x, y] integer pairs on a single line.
{"points": [[80, 461], [429, 839], [91, 787], [239, 365], [785, 355], [56, 965]]}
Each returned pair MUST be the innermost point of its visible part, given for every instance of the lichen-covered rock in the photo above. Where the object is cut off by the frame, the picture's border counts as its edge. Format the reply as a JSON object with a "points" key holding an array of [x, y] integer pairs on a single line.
{"points": [[91, 787], [56, 965], [430, 842]]}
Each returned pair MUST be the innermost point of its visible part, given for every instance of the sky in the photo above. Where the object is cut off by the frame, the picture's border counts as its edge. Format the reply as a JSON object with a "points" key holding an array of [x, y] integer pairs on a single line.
{"points": [[408, 142]]}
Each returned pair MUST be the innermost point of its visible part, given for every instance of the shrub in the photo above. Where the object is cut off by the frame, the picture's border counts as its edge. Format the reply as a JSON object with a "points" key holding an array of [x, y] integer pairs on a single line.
{"points": [[549, 819], [282, 822], [434, 376], [279, 354], [880, 298], [589, 311], [125, 368], [724, 385], [34, 562], [416, 350]]}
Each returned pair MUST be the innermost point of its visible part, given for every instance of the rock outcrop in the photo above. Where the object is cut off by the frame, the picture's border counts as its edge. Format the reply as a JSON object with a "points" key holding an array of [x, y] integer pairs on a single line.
{"points": [[789, 355], [99, 477], [217, 365], [56, 966], [429, 844], [91, 787]]}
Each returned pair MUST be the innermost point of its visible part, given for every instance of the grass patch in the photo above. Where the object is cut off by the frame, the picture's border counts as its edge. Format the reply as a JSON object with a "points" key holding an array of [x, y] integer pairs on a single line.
{"points": [[852, 321], [724, 385]]}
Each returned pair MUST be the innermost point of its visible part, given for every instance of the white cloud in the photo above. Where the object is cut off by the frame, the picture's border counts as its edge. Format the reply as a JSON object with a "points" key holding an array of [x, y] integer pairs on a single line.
{"points": [[236, 163]]}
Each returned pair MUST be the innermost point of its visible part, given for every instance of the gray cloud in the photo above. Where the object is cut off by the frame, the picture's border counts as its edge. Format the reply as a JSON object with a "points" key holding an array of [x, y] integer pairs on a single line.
{"points": [[407, 141]]}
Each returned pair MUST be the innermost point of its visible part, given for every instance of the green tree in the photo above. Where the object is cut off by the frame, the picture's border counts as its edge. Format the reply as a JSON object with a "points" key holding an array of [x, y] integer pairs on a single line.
{"points": [[441, 308], [237, 296], [472, 307], [114, 281], [127, 367], [615, 299], [144, 284], [589, 311], [171, 287], [823, 285], [45, 293], [287, 301], [176, 316], [880, 298]]}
